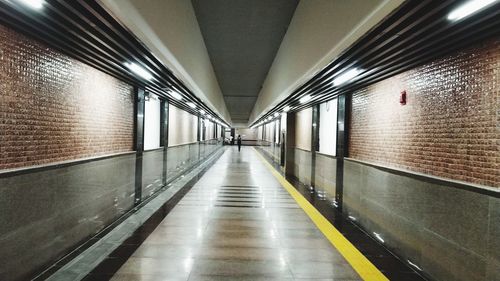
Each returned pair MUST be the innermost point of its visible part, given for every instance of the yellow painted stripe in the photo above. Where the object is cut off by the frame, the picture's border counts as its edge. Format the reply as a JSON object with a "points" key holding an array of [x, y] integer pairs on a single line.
{"points": [[354, 257]]}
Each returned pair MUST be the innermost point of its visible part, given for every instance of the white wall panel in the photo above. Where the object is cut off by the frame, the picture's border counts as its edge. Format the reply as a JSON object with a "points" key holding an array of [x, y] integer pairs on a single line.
{"points": [[152, 123], [182, 126], [328, 127]]}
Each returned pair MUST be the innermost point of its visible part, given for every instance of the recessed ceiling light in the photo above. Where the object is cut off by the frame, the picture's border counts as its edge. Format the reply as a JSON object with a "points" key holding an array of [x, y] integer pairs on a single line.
{"points": [[190, 104], [346, 76], [139, 70], [175, 95], [469, 8], [305, 99], [34, 4], [286, 108]]}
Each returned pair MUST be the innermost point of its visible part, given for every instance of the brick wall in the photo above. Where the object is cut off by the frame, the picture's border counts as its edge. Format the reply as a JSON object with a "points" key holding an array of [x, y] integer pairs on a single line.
{"points": [[54, 108], [450, 126]]}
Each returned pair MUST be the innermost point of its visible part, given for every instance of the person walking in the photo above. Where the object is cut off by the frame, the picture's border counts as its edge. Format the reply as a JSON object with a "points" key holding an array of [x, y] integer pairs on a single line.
{"points": [[239, 142]]}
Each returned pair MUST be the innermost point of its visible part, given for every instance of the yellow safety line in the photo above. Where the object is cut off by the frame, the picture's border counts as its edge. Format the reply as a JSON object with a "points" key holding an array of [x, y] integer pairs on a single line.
{"points": [[354, 257]]}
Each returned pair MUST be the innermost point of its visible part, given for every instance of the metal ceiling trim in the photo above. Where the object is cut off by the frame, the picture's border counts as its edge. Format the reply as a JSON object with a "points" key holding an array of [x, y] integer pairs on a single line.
{"points": [[84, 30]]}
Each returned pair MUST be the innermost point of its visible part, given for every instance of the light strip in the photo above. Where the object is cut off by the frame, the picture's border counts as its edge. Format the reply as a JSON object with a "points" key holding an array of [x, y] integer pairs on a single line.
{"points": [[414, 265], [175, 95], [202, 111], [346, 76], [379, 237], [139, 70], [469, 8], [286, 108], [34, 4], [192, 105], [305, 99]]}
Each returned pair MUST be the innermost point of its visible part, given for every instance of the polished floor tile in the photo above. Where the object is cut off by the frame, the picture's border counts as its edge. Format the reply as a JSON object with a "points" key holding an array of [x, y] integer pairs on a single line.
{"points": [[236, 223]]}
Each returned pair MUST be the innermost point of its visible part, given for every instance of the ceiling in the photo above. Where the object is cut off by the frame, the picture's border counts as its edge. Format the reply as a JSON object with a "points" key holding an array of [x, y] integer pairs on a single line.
{"points": [[414, 34], [242, 38]]}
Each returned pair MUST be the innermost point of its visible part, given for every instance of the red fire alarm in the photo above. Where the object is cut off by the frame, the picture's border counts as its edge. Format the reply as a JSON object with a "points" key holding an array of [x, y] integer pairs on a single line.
{"points": [[402, 98]]}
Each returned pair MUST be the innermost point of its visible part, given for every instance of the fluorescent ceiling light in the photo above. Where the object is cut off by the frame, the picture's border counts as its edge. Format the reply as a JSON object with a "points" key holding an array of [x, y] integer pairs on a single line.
{"points": [[305, 99], [139, 70], [34, 4], [202, 111], [469, 8], [175, 95], [276, 114], [346, 76], [190, 104], [286, 108]]}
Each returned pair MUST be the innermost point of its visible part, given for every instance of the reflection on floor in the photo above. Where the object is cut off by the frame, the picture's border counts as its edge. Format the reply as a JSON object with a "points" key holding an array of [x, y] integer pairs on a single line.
{"points": [[237, 223]]}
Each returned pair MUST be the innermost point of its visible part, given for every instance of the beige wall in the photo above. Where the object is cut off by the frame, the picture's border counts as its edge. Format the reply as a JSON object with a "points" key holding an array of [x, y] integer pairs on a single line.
{"points": [[319, 31], [247, 134], [303, 129], [170, 30], [182, 126]]}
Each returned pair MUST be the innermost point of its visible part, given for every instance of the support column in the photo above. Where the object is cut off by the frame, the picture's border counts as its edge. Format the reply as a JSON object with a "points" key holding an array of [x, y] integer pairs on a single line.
{"points": [[164, 137], [139, 142], [343, 115], [198, 134], [198, 137], [282, 145], [290, 144], [314, 144]]}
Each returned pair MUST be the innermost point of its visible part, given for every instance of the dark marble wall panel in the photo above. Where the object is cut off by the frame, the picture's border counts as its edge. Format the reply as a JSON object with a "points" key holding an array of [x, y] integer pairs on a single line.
{"points": [[493, 267], [195, 154], [183, 157], [449, 232], [47, 212], [271, 149], [325, 174], [178, 160], [302, 165], [152, 172]]}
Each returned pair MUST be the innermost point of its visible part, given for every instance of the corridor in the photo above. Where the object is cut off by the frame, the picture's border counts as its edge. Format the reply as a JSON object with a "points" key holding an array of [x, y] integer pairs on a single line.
{"points": [[236, 223]]}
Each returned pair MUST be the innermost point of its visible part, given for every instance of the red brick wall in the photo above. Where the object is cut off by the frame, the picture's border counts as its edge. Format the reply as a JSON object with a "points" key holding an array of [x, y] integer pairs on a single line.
{"points": [[54, 108], [450, 126]]}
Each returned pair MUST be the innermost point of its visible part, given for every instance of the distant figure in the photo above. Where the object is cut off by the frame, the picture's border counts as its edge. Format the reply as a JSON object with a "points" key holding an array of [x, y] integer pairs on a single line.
{"points": [[239, 142]]}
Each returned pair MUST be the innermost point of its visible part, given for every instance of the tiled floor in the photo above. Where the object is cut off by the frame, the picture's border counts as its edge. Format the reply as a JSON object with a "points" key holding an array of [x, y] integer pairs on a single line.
{"points": [[236, 223]]}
